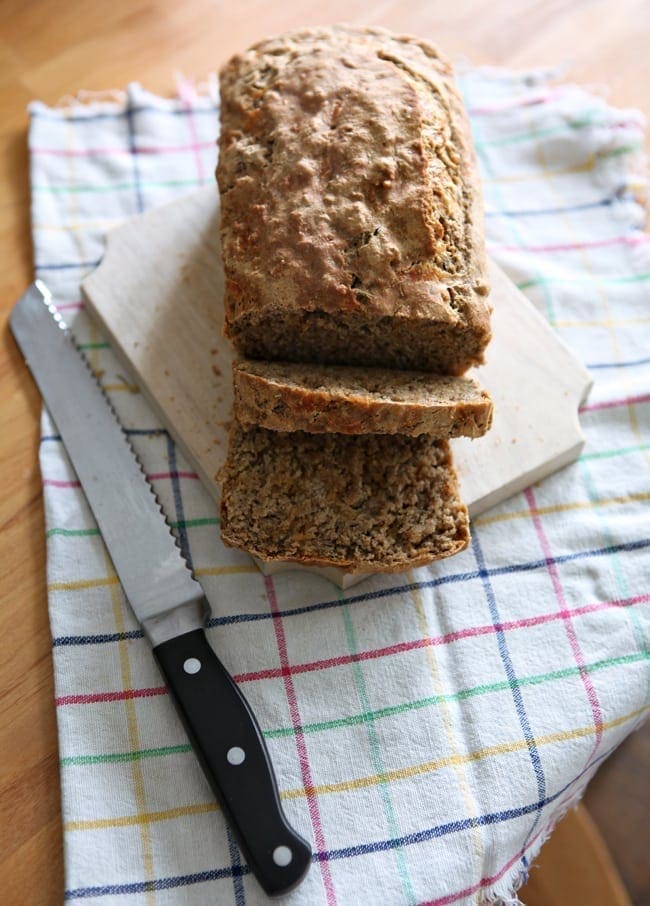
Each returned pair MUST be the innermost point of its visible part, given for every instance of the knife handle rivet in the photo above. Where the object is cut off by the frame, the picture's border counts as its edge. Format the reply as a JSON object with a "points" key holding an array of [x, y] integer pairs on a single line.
{"points": [[235, 755], [192, 665], [282, 856]]}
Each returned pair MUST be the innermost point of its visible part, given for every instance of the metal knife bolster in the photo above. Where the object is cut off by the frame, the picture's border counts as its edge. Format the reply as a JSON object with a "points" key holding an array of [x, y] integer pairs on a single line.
{"points": [[186, 617]]}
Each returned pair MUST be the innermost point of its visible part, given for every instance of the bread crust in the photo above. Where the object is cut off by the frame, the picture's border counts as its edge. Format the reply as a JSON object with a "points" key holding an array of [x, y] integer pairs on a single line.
{"points": [[352, 400], [349, 192]]}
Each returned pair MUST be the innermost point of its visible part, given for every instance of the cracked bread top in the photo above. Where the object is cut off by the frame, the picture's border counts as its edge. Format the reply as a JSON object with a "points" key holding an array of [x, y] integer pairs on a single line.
{"points": [[348, 181]]}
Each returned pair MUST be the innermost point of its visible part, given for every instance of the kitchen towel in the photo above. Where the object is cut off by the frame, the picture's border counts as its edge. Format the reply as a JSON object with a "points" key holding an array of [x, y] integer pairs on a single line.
{"points": [[427, 729]]}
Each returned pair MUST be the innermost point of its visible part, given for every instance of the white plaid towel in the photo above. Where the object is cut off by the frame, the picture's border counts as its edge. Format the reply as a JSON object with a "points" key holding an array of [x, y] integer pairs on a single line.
{"points": [[427, 729]]}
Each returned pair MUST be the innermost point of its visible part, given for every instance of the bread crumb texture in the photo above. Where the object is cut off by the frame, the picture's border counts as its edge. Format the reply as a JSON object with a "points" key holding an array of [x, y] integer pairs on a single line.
{"points": [[371, 503]]}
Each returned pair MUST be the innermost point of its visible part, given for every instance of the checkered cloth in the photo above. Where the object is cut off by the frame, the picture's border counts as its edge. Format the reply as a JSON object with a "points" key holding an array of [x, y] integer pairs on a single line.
{"points": [[427, 729]]}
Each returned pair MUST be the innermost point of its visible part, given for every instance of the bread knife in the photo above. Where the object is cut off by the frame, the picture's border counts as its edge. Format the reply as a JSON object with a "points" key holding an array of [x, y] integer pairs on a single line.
{"points": [[166, 599]]}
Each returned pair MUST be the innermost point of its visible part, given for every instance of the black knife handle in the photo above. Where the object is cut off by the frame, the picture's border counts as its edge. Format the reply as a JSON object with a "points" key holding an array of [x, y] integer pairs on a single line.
{"points": [[232, 752]]}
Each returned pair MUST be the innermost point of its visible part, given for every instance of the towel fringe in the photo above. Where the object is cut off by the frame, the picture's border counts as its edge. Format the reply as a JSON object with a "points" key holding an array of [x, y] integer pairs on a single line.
{"points": [[85, 97]]}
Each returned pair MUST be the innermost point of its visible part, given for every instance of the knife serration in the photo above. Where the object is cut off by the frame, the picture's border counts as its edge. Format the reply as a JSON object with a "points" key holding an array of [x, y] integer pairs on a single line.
{"points": [[155, 577]]}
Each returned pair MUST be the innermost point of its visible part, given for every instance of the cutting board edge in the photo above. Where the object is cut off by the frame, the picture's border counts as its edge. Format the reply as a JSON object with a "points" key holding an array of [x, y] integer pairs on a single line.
{"points": [[209, 481], [533, 476], [579, 369]]}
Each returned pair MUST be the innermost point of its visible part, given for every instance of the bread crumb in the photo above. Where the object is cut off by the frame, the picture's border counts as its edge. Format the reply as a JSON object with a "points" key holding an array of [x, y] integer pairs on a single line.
{"points": [[344, 498]]}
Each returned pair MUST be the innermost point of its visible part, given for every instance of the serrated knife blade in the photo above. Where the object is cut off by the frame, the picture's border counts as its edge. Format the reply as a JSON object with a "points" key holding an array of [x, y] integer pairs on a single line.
{"points": [[166, 599], [122, 500]]}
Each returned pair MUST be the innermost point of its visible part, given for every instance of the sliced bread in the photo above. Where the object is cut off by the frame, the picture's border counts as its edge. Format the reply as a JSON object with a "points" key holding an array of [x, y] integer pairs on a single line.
{"points": [[323, 399], [367, 503]]}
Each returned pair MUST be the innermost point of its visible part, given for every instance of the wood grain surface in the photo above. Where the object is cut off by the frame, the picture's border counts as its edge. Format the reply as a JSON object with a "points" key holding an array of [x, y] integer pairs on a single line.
{"points": [[52, 48]]}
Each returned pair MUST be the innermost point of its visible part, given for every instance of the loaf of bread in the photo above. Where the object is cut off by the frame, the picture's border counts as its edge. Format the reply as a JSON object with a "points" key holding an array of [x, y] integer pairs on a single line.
{"points": [[351, 216], [355, 400], [370, 503]]}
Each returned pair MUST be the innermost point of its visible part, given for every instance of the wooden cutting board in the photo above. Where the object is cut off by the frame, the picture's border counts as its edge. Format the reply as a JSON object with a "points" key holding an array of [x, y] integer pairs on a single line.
{"points": [[158, 294]]}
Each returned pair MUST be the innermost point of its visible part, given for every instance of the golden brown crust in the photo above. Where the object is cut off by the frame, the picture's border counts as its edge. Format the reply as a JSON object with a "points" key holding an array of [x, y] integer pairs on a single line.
{"points": [[346, 400], [349, 188]]}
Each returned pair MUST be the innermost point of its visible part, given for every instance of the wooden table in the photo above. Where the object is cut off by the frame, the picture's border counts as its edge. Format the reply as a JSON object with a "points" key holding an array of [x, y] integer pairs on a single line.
{"points": [[50, 48]]}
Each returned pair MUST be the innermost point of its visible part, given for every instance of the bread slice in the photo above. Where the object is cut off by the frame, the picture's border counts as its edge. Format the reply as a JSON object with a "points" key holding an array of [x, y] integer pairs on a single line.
{"points": [[367, 503], [323, 399], [351, 212]]}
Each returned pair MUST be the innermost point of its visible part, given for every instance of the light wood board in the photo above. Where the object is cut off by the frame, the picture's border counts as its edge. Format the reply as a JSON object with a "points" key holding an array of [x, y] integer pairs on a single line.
{"points": [[158, 294]]}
